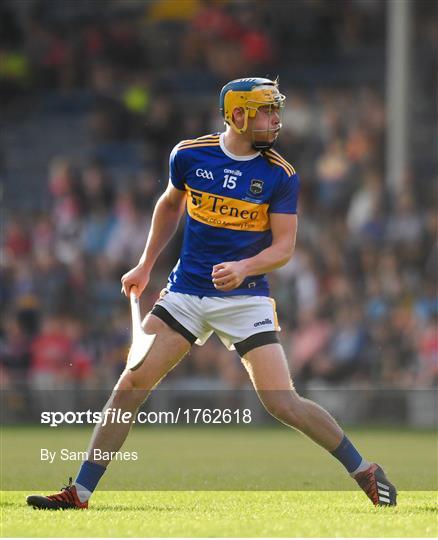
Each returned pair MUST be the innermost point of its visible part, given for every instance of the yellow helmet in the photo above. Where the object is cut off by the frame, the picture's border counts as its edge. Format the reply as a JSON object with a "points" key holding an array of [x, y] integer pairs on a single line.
{"points": [[249, 94]]}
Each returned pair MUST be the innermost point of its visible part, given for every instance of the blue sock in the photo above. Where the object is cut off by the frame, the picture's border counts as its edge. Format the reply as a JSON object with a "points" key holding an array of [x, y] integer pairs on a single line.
{"points": [[89, 475], [348, 455]]}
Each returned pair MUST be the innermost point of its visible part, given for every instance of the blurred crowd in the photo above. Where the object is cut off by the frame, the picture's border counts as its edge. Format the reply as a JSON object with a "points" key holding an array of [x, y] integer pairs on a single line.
{"points": [[358, 302]]}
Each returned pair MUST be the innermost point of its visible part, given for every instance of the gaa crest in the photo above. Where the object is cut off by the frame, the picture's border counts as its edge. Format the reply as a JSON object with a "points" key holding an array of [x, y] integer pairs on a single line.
{"points": [[256, 186]]}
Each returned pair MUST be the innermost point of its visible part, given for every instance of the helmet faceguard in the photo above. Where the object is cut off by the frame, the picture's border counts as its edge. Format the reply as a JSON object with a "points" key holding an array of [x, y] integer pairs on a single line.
{"points": [[250, 95]]}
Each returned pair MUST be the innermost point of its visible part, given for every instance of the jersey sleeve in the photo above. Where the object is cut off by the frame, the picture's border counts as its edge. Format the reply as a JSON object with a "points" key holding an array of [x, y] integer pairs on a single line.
{"points": [[285, 197], [176, 169]]}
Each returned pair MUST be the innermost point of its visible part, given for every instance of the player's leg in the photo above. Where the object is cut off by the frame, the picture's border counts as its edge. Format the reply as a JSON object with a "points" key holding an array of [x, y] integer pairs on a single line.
{"points": [[269, 372], [234, 319], [129, 393], [133, 387], [177, 320]]}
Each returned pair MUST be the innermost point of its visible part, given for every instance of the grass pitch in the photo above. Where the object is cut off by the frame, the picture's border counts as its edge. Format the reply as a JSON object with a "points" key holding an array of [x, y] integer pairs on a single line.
{"points": [[222, 483], [226, 514]]}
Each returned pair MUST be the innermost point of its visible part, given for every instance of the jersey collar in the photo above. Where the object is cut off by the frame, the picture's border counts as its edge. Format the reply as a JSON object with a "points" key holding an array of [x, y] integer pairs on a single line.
{"points": [[233, 156]]}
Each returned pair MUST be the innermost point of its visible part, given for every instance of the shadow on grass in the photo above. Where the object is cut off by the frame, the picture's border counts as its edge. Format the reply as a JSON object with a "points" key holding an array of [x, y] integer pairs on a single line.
{"points": [[103, 508], [6, 504], [137, 508], [419, 509]]}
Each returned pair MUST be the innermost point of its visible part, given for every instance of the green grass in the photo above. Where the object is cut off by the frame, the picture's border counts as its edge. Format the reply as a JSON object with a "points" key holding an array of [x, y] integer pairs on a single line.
{"points": [[220, 483], [226, 514]]}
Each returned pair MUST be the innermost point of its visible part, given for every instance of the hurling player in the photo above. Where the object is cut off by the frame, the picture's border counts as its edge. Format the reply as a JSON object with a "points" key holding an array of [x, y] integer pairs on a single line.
{"points": [[240, 200]]}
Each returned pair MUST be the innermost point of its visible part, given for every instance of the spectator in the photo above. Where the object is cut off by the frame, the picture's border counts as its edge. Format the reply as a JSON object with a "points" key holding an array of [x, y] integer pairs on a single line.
{"points": [[308, 343], [125, 244]]}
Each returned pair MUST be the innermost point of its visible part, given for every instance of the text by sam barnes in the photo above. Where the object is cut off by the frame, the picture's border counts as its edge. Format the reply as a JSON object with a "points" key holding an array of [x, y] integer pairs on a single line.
{"points": [[64, 454]]}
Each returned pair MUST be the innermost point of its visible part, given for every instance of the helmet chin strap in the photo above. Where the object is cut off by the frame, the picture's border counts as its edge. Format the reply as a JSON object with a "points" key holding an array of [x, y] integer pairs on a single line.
{"points": [[263, 145]]}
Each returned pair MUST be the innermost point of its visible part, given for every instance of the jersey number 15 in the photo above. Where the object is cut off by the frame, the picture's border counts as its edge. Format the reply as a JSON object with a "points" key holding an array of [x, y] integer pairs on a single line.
{"points": [[229, 181]]}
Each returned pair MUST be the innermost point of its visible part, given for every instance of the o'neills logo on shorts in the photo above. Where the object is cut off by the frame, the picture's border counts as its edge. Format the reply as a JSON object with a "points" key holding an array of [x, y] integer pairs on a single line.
{"points": [[261, 323], [226, 212]]}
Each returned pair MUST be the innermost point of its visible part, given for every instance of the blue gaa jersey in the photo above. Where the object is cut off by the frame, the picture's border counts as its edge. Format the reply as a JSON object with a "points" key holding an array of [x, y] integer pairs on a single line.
{"points": [[229, 201]]}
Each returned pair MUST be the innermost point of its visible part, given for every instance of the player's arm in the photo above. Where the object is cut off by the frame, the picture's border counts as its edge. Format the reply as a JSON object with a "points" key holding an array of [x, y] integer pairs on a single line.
{"points": [[167, 213], [229, 275]]}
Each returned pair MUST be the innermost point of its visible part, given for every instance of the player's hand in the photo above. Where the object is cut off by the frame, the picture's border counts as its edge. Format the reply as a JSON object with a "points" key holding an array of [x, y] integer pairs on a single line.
{"points": [[229, 275], [137, 277]]}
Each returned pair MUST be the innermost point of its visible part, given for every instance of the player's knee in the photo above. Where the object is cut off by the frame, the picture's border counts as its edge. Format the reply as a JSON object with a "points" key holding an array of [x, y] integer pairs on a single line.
{"points": [[129, 390], [289, 411]]}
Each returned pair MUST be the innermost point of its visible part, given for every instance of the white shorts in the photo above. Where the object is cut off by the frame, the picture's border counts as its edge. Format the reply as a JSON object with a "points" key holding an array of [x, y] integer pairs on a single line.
{"points": [[241, 322]]}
